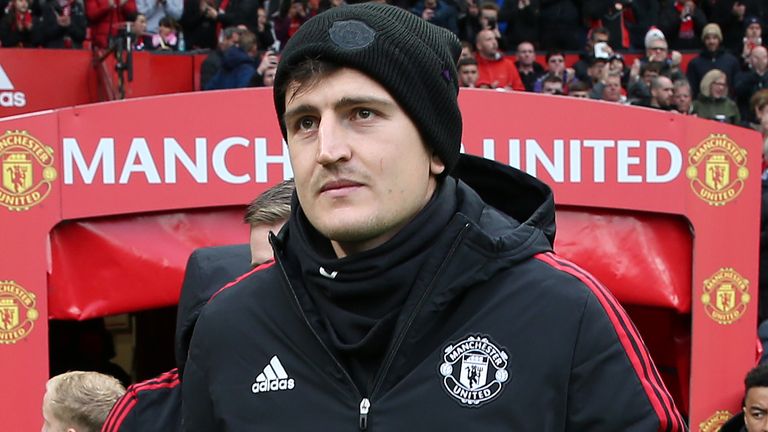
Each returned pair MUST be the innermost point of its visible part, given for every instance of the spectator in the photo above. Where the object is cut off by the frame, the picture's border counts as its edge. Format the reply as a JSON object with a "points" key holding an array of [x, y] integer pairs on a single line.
{"points": [[751, 81], [560, 25], [611, 89], [662, 91], [522, 18], [63, 24], [552, 85], [579, 89], [639, 91], [731, 16], [141, 39], [268, 79], [526, 64], [198, 22], [238, 65], [166, 38], [19, 28], [264, 35], [598, 70], [627, 21], [681, 21], [657, 50], [596, 36], [713, 56], [105, 18], [79, 401], [488, 19], [555, 67], [212, 63], [467, 50], [229, 13], [155, 10], [289, 21], [495, 70], [681, 95], [267, 63], [753, 37], [616, 64], [468, 72], [752, 417], [438, 12], [713, 102]]}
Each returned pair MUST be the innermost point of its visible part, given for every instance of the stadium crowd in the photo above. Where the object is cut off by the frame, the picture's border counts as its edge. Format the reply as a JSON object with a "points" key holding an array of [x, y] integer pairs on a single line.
{"points": [[500, 38]]}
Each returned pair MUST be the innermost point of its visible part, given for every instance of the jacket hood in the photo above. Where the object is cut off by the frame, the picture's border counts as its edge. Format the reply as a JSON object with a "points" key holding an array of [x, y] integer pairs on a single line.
{"points": [[234, 57], [517, 205]]}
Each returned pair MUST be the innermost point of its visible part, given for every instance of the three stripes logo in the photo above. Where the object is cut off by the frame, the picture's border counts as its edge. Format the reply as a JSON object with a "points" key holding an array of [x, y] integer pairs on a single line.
{"points": [[273, 378]]}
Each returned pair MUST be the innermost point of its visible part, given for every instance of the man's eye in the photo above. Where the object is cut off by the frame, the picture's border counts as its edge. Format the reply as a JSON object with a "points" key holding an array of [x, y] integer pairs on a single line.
{"points": [[364, 114], [306, 123]]}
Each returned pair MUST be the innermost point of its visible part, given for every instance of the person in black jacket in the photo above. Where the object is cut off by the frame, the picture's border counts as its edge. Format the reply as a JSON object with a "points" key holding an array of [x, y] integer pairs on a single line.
{"points": [[754, 414], [412, 288], [155, 404], [63, 24], [713, 56]]}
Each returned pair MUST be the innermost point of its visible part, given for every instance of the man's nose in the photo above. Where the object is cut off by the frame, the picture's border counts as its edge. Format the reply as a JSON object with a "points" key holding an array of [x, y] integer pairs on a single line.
{"points": [[333, 145]]}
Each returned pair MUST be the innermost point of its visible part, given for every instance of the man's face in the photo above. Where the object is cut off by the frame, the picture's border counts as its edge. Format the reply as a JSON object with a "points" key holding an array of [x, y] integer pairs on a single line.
{"points": [[525, 54], [648, 76], [581, 94], [552, 88], [556, 64], [489, 18], [361, 169], [595, 71], [656, 50], [22, 6], [140, 24], [663, 93], [468, 75], [261, 250], [753, 31], [711, 42], [756, 409], [466, 52], [759, 58], [262, 16], [487, 43], [682, 98], [612, 90]]}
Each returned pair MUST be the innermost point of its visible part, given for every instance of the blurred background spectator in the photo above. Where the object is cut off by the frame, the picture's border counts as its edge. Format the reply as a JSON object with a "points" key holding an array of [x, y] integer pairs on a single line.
{"points": [[105, 18], [682, 21], [63, 24], [19, 28], [167, 38], [156, 10], [713, 102], [527, 66], [713, 56], [682, 96]]}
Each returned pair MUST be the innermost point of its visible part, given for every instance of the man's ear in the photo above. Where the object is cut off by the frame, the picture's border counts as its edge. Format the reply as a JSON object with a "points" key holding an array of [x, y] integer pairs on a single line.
{"points": [[436, 166]]}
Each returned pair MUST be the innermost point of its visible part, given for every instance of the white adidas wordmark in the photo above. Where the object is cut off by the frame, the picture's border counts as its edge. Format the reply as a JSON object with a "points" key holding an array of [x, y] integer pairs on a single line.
{"points": [[274, 378]]}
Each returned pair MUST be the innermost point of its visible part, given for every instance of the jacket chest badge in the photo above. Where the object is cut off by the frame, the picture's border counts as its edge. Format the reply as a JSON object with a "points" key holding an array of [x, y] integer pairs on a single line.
{"points": [[474, 370]]}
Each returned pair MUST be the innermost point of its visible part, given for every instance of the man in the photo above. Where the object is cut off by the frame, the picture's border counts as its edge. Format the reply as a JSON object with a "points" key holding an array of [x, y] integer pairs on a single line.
{"points": [[79, 401], [230, 37], [752, 81], [682, 97], [661, 94], [555, 67], [238, 65], [713, 56], [552, 85], [494, 69], [596, 36], [155, 10], [579, 89], [527, 66], [439, 13], [753, 36], [399, 299], [467, 72], [611, 88], [681, 21], [754, 413], [155, 404]]}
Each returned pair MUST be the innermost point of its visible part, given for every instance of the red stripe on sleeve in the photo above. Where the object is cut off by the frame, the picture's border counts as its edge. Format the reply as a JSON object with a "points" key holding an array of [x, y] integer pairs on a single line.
{"points": [[125, 404], [639, 357], [266, 265]]}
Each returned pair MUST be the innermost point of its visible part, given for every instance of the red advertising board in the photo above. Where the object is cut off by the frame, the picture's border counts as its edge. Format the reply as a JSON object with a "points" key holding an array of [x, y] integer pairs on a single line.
{"points": [[199, 150]]}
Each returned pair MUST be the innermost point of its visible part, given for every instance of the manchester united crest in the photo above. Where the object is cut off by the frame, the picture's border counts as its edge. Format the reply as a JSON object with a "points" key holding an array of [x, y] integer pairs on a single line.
{"points": [[17, 312], [474, 370], [717, 169], [726, 295], [713, 423], [27, 170]]}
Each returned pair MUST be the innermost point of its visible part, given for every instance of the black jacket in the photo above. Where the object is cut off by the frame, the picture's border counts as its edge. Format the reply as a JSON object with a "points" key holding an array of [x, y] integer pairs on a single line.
{"points": [[708, 60], [499, 334], [56, 36]]}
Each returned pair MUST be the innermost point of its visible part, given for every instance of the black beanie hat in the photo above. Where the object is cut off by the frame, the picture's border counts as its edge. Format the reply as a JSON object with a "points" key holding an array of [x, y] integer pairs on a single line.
{"points": [[411, 58]]}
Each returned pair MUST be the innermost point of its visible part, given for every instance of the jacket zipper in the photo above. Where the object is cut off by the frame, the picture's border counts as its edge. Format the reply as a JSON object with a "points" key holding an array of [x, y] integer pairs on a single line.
{"points": [[390, 357], [365, 403]]}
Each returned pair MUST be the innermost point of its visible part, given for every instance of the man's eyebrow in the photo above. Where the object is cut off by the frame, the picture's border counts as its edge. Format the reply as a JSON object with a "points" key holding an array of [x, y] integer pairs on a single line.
{"points": [[342, 103]]}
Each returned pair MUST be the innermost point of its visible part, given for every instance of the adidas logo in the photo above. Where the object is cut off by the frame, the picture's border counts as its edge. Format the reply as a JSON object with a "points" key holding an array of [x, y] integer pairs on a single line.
{"points": [[8, 96], [274, 378]]}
